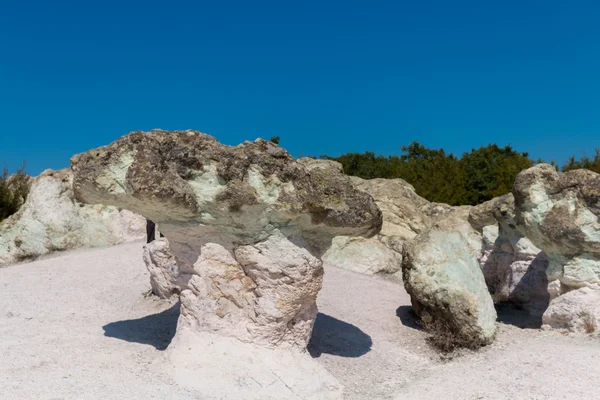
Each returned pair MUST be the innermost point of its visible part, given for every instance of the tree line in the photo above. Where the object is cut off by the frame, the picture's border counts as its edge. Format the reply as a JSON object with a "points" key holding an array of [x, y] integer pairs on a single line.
{"points": [[477, 176]]}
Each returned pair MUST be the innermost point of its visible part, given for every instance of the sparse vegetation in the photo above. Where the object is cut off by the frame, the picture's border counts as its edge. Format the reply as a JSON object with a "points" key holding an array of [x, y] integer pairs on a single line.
{"points": [[593, 163], [13, 191], [274, 139], [590, 324]]}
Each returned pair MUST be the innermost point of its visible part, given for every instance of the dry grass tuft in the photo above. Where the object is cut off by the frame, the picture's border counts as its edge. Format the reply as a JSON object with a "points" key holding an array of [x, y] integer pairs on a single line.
{"points": [[590, 324], [446, 338]]}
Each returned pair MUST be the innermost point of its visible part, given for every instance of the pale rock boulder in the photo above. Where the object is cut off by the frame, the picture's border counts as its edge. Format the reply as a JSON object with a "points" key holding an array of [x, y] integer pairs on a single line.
{"points": [[162, 266], [442, 275], [575, 311], [247, 225], [365, 256], [405, 215], [514, 268], [456, 219], [559, 213], [52, 220]]}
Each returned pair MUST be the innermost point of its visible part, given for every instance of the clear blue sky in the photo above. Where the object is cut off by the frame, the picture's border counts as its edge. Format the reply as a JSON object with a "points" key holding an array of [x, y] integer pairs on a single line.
{"points": [[328, 77]]}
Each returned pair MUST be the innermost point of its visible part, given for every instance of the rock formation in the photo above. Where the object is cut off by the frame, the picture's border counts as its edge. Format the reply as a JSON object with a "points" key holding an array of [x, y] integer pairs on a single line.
{"points": [[405, 215], [442, 275], [514, 268], [52, 220], [440, 264], [559, 213], [246, 224], [165, 278]]}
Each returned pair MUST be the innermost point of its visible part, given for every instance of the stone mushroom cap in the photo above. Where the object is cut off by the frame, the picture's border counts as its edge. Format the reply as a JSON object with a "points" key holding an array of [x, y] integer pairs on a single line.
{"points": [[241, 193], [559, 211]]}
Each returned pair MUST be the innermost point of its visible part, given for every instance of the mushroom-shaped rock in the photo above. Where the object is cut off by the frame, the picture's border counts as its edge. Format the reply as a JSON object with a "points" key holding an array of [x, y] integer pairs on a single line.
{"points": [[246, 224], [559, 213]]}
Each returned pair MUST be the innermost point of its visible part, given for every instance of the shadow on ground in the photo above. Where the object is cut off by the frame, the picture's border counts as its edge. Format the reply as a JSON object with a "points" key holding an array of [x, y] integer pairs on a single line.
{"points": [[332, 336], [408, 317], [156, 330], [512, 314]]}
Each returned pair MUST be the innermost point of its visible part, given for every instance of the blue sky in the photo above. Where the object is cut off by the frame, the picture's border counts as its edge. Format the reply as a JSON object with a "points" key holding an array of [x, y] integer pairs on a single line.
{"points": [[328, 77]]}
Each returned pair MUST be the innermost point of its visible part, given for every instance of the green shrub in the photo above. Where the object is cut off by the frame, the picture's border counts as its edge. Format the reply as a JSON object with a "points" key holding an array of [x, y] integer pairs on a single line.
{"points": [[13, 191], [477, 176], [593, 163]]}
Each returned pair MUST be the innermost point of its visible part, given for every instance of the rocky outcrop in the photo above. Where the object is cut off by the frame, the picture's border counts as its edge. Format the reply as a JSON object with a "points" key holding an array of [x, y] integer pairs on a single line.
{"points": [[434, 247], [52, 220], [165, 278], [514, 268], [575, 311], [559, 213], [246, 224], [442, 275], [405, 215]]}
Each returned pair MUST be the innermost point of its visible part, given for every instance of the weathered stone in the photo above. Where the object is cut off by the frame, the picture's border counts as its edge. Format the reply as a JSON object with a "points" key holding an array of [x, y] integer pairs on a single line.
{"points": [[514, 268], [559, 213], [52, 220], [162, 266], [365, 256], [405, 215], [444, 280], [246, 224], [576, 311]]}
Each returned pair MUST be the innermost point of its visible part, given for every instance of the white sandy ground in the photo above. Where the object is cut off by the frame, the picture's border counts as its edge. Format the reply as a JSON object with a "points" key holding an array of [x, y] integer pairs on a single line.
{"points": [[77, 326]]}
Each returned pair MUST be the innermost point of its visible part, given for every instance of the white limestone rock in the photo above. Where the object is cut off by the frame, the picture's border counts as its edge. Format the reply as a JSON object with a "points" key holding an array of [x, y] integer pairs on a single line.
{"points": [[366, 256], [405, 215], [52, 220], [577, 310], [246, 224], [559, 213], [444, 280], [165, 278], [514, 268]]}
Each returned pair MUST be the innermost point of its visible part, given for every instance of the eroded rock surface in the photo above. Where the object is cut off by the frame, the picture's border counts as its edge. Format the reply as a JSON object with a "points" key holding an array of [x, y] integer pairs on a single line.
{"points": [[52, 220], [576, 311], [442, 275], [405, 215], [165, 278], [559, 213], [514, 268], [246, 224]]}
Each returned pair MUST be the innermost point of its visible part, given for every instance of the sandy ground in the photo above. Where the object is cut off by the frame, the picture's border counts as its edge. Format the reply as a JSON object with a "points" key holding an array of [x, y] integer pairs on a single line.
{"points": [[78, 326]]}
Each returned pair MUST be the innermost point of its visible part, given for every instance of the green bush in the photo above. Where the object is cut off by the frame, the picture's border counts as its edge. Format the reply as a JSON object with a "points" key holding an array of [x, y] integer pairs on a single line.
{"points": [[13, 191], [593, 164], [477, 176]]}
